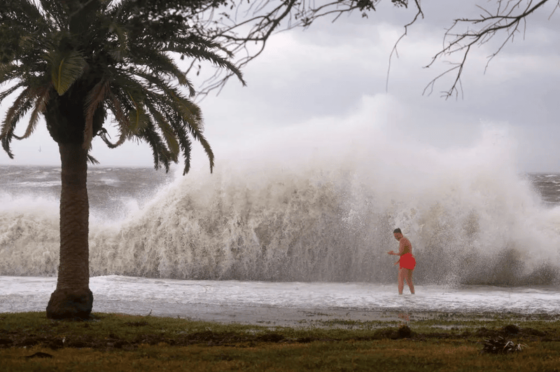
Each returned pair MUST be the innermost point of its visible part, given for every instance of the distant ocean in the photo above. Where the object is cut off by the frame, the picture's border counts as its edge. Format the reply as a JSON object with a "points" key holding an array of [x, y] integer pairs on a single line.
{"points": [[548, 187], [286, 227], [112, 191]]}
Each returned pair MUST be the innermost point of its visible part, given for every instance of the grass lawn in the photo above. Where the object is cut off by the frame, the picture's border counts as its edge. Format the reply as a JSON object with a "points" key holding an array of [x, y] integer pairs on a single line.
{"points": [[116, 342]]}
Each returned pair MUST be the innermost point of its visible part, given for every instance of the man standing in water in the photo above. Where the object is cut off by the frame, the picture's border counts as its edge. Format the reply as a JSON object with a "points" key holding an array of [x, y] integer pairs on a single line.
{"points": [[406, 261]]}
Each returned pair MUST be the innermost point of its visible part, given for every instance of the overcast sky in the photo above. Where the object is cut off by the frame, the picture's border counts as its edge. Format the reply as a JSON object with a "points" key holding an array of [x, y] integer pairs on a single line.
{"points": [[332, 72]]}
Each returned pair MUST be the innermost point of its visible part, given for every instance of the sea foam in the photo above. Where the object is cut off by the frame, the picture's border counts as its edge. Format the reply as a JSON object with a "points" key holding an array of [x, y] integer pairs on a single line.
{"points": [[318, 203]]}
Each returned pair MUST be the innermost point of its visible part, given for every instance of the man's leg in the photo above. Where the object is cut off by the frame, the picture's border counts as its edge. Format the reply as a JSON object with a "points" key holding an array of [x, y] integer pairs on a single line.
{"points": [[401, 280], [408, 274]]}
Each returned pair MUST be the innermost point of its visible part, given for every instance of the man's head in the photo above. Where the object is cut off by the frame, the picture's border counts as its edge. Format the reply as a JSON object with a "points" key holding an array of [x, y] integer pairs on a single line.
{"points": [[397, 233]]}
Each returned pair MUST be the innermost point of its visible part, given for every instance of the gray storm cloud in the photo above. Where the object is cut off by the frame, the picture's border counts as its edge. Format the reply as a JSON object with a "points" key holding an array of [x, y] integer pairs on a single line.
{"points": [[323, 73]]}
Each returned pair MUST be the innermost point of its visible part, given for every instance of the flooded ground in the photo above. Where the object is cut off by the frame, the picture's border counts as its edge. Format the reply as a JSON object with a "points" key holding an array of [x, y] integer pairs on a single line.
{"points": [[283, 304]]}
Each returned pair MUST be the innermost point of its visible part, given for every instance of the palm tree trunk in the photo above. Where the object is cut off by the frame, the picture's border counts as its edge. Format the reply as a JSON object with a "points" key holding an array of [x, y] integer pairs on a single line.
{"points": [[72, 298]]}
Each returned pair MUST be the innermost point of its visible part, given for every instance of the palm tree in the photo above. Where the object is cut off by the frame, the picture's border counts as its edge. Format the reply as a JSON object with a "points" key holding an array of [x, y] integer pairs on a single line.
{"points": [[81, 62]]}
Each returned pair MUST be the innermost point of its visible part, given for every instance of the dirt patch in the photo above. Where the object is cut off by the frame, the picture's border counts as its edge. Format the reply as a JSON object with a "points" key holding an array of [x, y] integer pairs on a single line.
{"points": [[39, 355], [137, 324]]}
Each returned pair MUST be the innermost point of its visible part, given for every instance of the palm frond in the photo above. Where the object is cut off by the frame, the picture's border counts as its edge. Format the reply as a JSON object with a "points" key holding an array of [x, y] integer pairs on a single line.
{"points": [[188, 114], [13, 111], [8, 71], [30, 10], [182, 136], [40, 105], [207, 149], [56, 12], [91, 159], [160, 153], [9, 91], [191, 114], [202, 53], [122, 41], [104, 136], [21, 105], [21, 15], [161, 84], [121, 9], [66, 68], [159, 63], [187, 148], [167, 130], [126, 55], [95, 97], [137, 117], [115, 107], [156, 81], [198, 40]]}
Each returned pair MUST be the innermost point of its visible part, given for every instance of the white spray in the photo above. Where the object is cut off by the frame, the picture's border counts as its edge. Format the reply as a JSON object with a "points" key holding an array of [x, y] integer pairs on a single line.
{"points": [[319, 203]]}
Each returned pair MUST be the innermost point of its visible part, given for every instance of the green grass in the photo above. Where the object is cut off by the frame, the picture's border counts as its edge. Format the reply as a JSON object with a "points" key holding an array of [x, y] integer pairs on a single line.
{"points": [[115, 342]]}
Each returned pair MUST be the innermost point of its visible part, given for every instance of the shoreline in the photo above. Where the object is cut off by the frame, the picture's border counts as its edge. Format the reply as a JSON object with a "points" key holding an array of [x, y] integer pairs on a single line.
{"points": [[284, 304], [321, 317], [345, 318], [271, 317]]}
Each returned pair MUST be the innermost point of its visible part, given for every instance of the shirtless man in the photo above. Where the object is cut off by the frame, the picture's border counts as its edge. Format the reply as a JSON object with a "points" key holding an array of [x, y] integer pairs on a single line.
{"points": [[406, 261]]}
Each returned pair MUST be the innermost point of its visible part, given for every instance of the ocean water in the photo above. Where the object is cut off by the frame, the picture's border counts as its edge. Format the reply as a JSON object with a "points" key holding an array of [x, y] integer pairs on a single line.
{"points": [[280, 303], [309, 230]]}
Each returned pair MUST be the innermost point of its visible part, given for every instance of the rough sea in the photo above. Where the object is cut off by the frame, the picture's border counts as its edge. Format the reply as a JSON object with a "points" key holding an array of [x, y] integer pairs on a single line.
{"points": [[270, 242]]}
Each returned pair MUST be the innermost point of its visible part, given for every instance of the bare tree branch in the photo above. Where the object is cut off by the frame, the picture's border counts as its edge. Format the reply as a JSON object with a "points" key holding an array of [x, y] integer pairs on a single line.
{"points": [[394, 50], [507, 18], [247, 37], [242, 28]]}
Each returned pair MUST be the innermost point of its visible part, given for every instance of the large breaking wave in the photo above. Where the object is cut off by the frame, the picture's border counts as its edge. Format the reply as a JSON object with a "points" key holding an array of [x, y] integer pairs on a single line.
{"points": [[319, 204]]}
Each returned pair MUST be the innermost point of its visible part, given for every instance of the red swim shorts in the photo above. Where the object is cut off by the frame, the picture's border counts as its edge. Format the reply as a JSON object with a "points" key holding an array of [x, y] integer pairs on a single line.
{"points": [[407, 261]]}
